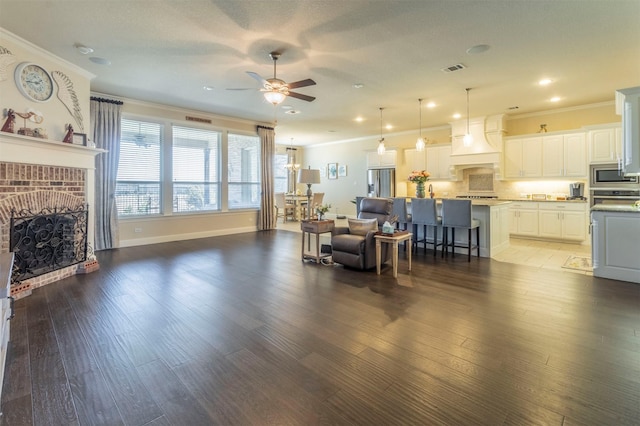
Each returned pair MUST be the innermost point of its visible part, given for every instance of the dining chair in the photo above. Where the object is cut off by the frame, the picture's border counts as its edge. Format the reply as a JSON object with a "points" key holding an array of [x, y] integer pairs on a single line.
{"points": [[316, 200], [288, 209], [457, 214], [424, 212]]}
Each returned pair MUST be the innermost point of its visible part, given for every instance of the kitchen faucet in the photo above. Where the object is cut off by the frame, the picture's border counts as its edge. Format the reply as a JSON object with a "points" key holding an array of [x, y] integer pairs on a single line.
{"points": [[430, 191]]}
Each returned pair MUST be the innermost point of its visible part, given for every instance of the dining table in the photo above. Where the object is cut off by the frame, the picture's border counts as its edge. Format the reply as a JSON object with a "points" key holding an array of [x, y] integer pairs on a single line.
{"points": [[298, 201]]}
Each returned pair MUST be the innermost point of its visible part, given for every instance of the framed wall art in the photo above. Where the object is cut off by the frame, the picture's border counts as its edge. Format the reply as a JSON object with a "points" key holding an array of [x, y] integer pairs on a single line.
{"points": [[80, 139], [342, 170], [332, 170]]}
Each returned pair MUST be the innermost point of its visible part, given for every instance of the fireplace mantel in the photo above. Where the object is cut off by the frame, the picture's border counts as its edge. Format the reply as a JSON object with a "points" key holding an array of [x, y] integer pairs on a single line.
{"points": [[26, 149]]}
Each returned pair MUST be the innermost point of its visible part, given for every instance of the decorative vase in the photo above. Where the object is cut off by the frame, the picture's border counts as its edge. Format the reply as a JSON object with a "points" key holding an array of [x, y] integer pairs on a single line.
{"points": [[420, 193], [320, 216]]}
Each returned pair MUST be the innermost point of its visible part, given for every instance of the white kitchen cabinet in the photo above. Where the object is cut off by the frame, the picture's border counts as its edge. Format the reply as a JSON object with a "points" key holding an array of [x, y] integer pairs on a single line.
{"points": [[564, 155], [438, 161], [628, 105], [523, 157], [415, 160], [605, 145], [523, 219], [614, 247], [563, 221], [386, 160]]}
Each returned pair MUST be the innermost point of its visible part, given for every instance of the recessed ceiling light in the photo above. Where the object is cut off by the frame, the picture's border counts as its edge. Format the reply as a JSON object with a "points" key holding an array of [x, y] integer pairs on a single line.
{"points": [[358, 85], [457, 115], [208, 88], [82, 49], [331, 131], [555, 99], [287, 107], [100, 61], [479, 48], [545, 82], [388, 127], [431, 105], [359, 119], [292, 112]]}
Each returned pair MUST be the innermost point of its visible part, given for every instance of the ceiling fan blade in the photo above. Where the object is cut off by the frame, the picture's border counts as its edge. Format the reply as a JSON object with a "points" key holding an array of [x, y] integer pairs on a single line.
{"points": [[258, 77], [301, 96], [301, 83]]}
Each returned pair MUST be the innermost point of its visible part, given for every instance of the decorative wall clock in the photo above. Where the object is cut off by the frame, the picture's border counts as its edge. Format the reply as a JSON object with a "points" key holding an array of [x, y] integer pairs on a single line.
{"points": [[34, 82]]}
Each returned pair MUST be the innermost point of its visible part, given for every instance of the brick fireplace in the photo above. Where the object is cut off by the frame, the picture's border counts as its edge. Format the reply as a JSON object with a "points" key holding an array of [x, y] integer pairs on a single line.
{"points": [[41, 174]]}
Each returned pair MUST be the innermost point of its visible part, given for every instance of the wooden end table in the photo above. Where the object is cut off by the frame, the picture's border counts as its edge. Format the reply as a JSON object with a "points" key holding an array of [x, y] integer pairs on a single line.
{"points": [[316, 227], [393, 239]]}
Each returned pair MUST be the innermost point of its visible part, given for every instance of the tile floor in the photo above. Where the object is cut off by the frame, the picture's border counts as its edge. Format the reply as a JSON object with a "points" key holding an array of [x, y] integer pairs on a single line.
{"points": [[540, 254]]}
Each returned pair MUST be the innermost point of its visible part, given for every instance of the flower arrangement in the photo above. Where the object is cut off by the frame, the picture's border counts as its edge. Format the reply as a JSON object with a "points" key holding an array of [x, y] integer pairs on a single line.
{"points": [[322, 209], [419, 176]]}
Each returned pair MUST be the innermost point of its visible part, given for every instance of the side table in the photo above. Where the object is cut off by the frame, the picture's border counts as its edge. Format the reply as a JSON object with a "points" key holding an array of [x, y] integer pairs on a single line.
{"points": [[316, 227], [394, 240]]}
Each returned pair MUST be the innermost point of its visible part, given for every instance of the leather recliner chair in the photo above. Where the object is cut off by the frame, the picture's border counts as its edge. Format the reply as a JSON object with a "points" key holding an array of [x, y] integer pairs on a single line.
{"points": [[359, 251]]}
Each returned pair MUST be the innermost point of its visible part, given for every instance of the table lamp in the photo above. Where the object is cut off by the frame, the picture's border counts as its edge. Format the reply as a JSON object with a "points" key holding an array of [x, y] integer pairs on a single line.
{"points": [[309, 176]]}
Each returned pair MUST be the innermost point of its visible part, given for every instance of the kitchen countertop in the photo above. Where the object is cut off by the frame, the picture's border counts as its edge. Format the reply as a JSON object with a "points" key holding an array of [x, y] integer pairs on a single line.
{"points": [[545, 201], [621, 208]]}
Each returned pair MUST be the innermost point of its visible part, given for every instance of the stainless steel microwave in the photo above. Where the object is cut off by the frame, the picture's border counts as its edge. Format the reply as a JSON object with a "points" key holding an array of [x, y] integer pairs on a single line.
{"points": [[610, 176]]}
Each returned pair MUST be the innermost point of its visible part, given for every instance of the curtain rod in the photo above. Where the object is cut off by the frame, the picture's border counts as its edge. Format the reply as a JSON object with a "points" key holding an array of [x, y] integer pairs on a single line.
{"points": [[109, 101]]}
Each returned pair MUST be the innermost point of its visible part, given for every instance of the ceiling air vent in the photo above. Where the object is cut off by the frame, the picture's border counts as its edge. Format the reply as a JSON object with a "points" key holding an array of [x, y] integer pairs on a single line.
{"points": [[452, 68]]}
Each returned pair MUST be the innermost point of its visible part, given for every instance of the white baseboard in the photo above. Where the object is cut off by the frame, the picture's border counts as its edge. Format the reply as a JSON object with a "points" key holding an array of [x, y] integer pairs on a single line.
{"points": [[181, 237]]}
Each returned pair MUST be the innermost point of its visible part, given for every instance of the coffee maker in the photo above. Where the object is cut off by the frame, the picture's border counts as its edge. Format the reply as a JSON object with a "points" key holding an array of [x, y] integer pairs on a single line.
{"points": [[576, 191]]}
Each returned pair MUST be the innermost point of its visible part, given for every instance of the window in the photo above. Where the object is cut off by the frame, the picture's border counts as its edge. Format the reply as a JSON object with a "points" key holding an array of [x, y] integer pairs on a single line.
{"points": [[138, 182], [243, 171], [196, 169], [280, 173]]}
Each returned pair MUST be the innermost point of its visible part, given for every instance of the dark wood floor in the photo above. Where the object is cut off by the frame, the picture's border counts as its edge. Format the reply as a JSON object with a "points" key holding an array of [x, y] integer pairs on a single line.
{"points": [[236, 330]]}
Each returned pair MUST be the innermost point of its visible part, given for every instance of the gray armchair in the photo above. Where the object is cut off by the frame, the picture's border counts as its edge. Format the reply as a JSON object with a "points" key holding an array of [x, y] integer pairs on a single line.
{"points": [[354, 246]]}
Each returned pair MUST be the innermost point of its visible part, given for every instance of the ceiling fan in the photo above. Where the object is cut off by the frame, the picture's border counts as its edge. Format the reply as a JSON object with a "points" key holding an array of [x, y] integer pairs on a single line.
{"points": [[276, 90]]}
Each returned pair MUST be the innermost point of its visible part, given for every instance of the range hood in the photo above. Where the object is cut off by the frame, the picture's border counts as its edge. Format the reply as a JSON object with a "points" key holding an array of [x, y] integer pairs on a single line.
{"points": [[486, 149]]}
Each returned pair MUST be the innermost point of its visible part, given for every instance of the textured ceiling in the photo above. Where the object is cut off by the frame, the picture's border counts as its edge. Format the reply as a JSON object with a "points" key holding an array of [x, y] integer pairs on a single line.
{"points": [[165, 51]]}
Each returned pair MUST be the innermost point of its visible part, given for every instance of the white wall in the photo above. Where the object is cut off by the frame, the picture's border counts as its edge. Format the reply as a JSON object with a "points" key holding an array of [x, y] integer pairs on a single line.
{"points": [[55, 114]]}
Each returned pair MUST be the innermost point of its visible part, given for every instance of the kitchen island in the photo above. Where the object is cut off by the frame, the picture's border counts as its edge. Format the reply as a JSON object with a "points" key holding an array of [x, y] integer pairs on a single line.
{"points": [[614, 247], [493, 215]]}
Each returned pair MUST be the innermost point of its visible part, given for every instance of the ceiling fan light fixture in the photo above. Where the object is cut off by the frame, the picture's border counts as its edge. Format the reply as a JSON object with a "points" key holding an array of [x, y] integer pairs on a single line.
{"points": [[274, 97]]}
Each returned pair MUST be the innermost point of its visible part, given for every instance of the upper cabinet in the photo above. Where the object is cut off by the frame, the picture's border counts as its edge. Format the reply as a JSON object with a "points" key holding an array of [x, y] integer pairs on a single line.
{"points": [[628, 105], [605, 145], [523, 157], [386, 160], [564, 155], [439, 161], [415, 160]]}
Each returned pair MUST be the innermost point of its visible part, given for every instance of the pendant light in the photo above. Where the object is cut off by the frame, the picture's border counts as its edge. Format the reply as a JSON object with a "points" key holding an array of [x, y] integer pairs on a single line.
{"points": [[381, 148], [291, 158], [468, 139], [420, 141]]}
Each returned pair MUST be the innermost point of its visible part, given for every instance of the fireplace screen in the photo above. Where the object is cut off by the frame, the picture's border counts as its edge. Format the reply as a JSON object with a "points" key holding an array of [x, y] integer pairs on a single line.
{"points": [[50, 240]]}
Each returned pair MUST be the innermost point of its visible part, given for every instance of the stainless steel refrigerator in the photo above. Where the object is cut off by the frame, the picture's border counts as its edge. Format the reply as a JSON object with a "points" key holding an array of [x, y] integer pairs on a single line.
{"points": [[381, 183]]}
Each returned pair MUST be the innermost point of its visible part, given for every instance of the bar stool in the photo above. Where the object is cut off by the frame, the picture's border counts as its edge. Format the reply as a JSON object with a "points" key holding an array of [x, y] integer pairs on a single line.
{"points": [[457, 214], [400, 210], [424, 212]]}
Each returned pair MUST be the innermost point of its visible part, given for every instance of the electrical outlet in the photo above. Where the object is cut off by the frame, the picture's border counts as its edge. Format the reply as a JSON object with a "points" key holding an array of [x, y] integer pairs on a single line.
{"points": [[137, 230]]}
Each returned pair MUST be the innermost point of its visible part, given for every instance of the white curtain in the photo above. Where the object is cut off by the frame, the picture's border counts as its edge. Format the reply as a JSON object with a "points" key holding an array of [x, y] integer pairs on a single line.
{"points": [[267, 215], [105, 125]]}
